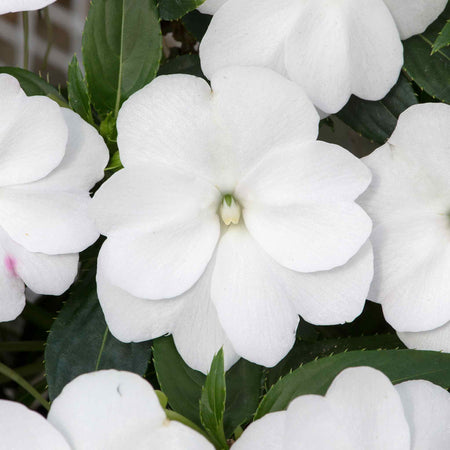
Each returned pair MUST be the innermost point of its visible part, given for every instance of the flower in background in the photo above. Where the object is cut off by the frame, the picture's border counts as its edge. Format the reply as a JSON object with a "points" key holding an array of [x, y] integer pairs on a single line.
{"points": [[331, 48], [8, 6], [361, 410], [409, 202], [100, 410], [229, 219], [49, 159]]}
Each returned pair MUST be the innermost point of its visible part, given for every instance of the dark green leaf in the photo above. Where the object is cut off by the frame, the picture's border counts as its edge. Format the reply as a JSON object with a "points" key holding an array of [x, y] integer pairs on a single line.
{"points": [[197, 23], [212, 402], [316, 376], [34, 85], [174, 9], [443, 40], [430, 72], [189, 64], [79, 341], [121, 50], [78, 93], [377, 120]]}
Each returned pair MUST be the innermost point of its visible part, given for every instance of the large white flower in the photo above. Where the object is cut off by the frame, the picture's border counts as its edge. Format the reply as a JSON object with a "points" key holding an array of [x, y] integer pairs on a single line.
{"points": [[49, 159], [409, 202], [8, 6], [361, 410], [331, 48], [229, 219], [108, 410]]}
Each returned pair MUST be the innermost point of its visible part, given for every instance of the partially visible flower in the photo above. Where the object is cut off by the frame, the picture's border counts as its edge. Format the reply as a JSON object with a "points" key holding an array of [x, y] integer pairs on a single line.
{"points": [[210, 6], [8, 6], [409, 202], [331, 48], [229, 219], [49, 159], [108, 410], [361, 410]]}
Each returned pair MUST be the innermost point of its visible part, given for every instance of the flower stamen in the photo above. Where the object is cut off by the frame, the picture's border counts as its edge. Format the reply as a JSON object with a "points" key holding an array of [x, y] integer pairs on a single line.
{"points": [[230, 210]]}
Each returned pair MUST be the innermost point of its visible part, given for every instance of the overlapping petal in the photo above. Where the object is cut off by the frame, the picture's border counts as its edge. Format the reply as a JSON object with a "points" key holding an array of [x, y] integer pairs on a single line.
{"points": [[7, 6], [437, 339], [210, 6]]}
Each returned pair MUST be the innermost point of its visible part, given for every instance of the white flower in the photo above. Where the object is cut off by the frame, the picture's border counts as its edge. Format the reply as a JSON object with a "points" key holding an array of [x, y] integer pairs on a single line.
{"points": [[105, 410], [331, 48], [210, 6], [409, 202], [49, 159], [8, 6], [243, 153], [361, 410]]}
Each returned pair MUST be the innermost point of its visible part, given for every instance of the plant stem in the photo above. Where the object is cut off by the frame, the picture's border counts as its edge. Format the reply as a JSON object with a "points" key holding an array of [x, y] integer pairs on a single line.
{"points": [[49, 27], [26, 43]]}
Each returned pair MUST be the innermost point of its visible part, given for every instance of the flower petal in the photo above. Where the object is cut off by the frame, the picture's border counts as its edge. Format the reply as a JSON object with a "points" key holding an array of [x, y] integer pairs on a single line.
{"points": [[309, 237], [250, 299], [211, 6], [427, 410], [370, 409], [33, 140], [164, 263], [149, 198], [8, 6], [21, 429], [266, 433], [107, 409], [437, 339], [413, 16], [333, 296]]}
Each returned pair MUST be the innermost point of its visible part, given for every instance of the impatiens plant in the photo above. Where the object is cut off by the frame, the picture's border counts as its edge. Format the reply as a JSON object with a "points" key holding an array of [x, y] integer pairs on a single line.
{"points": [[191, 259]]}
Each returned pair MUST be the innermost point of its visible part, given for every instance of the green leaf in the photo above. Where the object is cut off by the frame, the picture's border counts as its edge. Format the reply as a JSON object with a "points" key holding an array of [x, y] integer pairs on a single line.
{"points": [[315, 377], [78, 93], [212, 402], [189, 64], [121, 50], [34, 85], [197, 23], [174, 9], [443, 40], [79, 341], [429, 71], [377, 120]]}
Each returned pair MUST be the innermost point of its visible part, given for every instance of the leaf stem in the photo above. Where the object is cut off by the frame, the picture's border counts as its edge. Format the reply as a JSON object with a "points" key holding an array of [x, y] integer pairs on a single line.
{"points": [[26, 43], [49, 27], [105, 335]]}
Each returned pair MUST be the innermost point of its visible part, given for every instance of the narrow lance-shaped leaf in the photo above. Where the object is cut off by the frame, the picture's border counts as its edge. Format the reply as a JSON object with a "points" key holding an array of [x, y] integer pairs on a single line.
{"points": [[443, 40], [78, 94]]}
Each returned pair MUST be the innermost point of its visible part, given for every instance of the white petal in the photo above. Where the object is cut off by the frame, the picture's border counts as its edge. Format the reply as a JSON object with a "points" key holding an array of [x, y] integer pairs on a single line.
{"points": [[23, 429], [309, 237], [33, 140], [84, 161], [255, 123], [370, 409], [7, 6], [413, 16], [427, 410], [211, 6], [296, 174], [250, 299], [47, 221], [332, 296], [248, 33], [163, 263], [266, 433], [312, 424], [107, 410], [149, 198], [43, 274], [437, 339], [359, 52]]}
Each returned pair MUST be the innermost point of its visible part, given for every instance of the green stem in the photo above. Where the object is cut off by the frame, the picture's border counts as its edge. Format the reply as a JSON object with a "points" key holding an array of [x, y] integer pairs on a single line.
{"points": [[105, 335], [26, 43], [14, 376], [49, 27]]}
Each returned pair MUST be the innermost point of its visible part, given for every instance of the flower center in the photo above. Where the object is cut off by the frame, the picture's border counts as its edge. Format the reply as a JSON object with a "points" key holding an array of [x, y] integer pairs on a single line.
{"points": [[230, 210]]}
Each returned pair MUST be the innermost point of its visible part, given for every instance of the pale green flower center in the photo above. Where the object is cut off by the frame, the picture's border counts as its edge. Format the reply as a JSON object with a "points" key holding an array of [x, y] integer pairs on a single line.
{"points": [[230, 210]]}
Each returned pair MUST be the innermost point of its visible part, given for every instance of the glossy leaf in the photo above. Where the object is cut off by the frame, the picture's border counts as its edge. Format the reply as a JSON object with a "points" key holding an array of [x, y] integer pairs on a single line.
{"points": [[443, 40], [174, 9], [121, 50], [78, 93]]}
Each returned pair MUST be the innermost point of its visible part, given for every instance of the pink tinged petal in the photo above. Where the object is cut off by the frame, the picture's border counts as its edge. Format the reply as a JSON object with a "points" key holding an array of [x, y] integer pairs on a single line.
{"points": [[22, 429], [251, 300], [10, 264], [332, 296], [369, 409], [413, 16], [107, 410], [164, 263], [12, 289], [427, 410], [309, 237], [266, 433], [33, 139], [149, 198], [8, 6], [437, 339]]}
